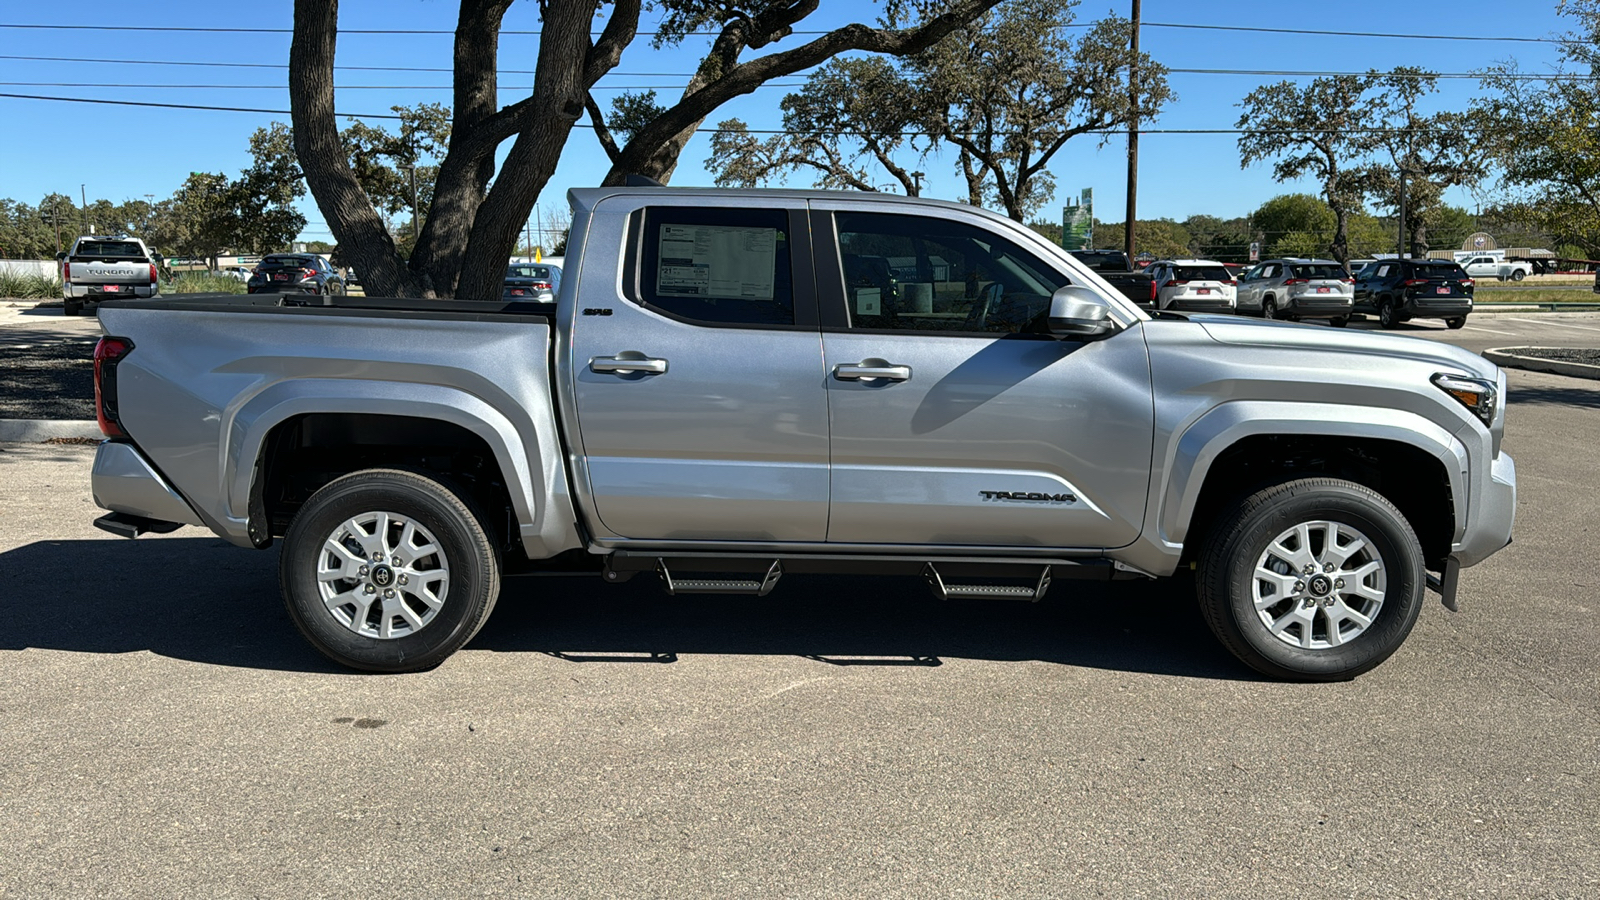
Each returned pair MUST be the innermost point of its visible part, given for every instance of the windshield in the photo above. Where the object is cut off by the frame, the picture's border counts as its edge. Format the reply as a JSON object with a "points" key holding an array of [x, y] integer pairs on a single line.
{"points": [[296, 261], [540, 273], [1318, 271], [110, 249], [1200, 273], [1439, 270]]}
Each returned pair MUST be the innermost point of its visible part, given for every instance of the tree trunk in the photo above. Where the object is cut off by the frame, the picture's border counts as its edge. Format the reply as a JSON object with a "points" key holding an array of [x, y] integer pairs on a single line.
{"points": [[557, 103], [356, 226], [1341, 241], [459, 187]]}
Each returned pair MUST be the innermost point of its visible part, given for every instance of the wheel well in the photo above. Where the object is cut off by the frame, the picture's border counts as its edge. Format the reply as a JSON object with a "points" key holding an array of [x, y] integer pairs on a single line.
{"points": [[304, 453], [1415, 482]]}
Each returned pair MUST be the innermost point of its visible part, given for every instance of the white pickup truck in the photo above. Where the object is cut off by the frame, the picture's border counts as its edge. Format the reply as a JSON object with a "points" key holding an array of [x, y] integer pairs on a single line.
{"points": [[1502, 269], [101, 268]]}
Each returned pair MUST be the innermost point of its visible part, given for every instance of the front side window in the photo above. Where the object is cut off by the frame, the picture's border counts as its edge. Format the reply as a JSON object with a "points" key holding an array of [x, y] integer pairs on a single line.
{"points": [[721, 266], [925, 274]]}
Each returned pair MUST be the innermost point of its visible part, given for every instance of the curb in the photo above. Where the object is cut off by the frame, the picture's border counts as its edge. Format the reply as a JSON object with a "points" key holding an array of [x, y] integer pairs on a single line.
{"points": [[32, 431], [1506, 356]]}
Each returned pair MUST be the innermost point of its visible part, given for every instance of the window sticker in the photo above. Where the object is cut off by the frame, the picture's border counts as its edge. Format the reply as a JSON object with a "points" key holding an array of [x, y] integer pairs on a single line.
{"points": [[717, 262], [868, 301]]}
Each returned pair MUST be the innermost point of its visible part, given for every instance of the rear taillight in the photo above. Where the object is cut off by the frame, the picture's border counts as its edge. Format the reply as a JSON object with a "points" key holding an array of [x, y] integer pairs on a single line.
{"points": [[1412, 282], [1289, 281], [153, 276], [1467, 282], [540, 285], [1347, 281], [307, 273], [1230, 283], [1152, 291], [66, 271], [1177, 283], [107, 353]]}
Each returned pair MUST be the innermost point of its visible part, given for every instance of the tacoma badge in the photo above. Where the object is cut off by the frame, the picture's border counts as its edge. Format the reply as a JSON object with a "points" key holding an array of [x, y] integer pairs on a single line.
{"points": [[1035, 496]]}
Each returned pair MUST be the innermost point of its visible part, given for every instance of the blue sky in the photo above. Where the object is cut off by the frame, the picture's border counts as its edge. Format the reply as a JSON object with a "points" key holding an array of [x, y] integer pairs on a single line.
{"points": [[125, 153]]}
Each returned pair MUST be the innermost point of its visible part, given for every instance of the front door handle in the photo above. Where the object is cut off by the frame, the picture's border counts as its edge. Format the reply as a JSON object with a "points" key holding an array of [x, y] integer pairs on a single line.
{"points": [[872, 370], [627, 363]]}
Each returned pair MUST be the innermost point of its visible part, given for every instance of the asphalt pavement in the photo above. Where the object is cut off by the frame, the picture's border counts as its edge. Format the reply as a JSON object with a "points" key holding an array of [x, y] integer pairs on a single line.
{"points": [[166, 732]]}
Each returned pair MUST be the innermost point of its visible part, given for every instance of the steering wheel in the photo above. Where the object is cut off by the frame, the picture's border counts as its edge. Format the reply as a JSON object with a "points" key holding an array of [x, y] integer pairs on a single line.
{"points": [[978, 315]]}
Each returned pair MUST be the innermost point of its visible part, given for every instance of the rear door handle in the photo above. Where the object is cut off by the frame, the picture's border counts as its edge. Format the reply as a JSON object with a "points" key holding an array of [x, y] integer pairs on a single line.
{"points": [[872, 370], [627, 363]]}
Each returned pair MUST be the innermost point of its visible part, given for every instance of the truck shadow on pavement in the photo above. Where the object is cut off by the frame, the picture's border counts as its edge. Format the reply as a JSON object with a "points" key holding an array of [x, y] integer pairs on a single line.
{"points": [[202, 600]]}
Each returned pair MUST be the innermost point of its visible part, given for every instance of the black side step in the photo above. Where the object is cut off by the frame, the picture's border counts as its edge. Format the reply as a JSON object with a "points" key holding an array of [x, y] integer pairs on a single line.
{"points": [[131, 526], [756, 584], [946, 591]]}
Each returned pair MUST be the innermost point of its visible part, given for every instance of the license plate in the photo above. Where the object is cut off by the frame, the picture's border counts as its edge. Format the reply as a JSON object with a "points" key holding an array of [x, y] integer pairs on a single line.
{"points": [[517, 292], [1441, 290], [1324, 290], [111, 288], [1203, 290], [280, 277]]}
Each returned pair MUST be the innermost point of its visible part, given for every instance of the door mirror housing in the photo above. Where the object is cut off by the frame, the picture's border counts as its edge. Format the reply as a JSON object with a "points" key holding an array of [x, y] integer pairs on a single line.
{"points": [[1077, 311], [61, 256]]}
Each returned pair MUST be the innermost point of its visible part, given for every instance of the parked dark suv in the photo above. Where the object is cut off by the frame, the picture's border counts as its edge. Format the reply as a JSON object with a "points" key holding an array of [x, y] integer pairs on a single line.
{"points": [[1401, 289], [294, 272]]}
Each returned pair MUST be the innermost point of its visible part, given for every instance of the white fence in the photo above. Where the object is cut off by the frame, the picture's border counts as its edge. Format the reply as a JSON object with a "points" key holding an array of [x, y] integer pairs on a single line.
{"points": [[47, 268]]}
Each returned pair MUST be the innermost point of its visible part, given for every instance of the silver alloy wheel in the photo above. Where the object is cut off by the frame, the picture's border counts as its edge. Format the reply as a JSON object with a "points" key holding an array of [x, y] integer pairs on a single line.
{"points": [[382, 575], [1319, 585]]}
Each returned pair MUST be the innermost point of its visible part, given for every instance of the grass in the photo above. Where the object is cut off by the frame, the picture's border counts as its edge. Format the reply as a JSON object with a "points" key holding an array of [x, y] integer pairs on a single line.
{"points": [[202, 283], [1575, 295], [29, 287]]}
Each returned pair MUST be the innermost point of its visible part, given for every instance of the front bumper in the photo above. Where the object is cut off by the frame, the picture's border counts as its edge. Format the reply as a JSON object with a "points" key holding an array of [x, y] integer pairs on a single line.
{"points": [[123, 481], [1489, 523]]}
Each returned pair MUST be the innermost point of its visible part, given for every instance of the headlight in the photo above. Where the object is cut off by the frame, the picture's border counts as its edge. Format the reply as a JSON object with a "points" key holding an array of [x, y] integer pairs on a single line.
{"points": [[1482, 397]]}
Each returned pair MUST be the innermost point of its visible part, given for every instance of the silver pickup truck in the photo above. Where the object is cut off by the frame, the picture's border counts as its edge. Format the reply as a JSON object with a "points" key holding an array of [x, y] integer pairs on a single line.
{"points": [[106, 268], [738, 385]]}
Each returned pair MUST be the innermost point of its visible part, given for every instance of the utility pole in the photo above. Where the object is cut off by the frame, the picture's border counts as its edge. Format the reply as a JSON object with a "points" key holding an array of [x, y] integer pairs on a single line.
{"points": [[412, 171], [83, 192], [1133, 139], [916, 179], [1402, 210]]}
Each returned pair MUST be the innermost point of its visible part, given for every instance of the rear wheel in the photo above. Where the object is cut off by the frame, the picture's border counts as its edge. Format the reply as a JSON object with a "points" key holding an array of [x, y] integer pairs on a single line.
{"points": [[1339, 321], [1317, 579], [1518, 274], [72, 307], [388, 571], [1456, 322]]}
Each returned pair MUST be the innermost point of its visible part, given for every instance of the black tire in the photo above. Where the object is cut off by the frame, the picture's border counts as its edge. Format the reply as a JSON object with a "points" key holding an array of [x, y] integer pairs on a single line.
{"points": [[1339, 321], [1269, 308], [324, 290], [1455, 322], [1387, 317], [72, 307], [474, 570], [1518, 274], [1226, 577]]}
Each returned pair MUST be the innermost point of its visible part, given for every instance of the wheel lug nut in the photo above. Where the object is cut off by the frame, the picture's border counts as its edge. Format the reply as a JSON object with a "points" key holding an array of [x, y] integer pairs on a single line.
{"points": [[396, 561], [404, 580], [1299, 586], [1337, 582], [1327, 567], [362, 571], [371, 589], [388, 595], [377, 557], [1310, 569]]}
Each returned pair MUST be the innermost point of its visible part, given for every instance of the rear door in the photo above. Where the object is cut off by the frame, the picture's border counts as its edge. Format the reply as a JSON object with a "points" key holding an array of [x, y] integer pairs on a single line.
{"points": [[955, 419], [697, 374]]}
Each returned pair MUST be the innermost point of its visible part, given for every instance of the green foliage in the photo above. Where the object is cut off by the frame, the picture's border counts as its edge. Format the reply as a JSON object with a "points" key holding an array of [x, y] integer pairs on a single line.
{"points": [[202, 283], [1288, 213], [1161, 238], [28, 287], [631, 111], [379, 157]]}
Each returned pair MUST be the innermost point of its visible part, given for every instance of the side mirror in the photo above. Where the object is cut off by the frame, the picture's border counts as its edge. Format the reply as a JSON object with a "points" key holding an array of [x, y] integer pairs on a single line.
{"points": [[61, 256], [1079, 312]]}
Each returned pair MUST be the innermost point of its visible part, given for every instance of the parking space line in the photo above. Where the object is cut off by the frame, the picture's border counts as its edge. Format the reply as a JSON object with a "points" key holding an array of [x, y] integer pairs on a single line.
{"points": [[1489, 330], [1562, 324]]}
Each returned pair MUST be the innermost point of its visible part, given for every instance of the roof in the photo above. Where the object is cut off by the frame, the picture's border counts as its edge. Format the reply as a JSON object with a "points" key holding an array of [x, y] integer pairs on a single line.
{"points": [[586, 198], [1189, 262]]}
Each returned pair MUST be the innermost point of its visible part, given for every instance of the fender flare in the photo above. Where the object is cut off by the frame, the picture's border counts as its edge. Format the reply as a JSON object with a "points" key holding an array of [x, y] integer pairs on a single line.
{"points": [[1203, 440], [521, 466]]}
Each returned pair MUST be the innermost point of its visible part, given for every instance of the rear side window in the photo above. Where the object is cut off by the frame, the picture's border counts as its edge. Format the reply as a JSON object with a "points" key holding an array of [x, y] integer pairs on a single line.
{"points": [[1200, 273], [725, 266], [110, 249]]}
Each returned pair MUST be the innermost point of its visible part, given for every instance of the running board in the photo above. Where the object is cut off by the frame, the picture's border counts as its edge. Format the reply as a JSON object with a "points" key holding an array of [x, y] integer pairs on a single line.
{"points": [[759, 585], [986, 591]]}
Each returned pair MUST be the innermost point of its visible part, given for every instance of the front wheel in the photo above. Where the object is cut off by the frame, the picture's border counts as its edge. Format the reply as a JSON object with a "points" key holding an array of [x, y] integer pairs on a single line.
{"points": [[1317, 579], [1456, 322], [1269, 308], [1387, 317], [388, 571]]}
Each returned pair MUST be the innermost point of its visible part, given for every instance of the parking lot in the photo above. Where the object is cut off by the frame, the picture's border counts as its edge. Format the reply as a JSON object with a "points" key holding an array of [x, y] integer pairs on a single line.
{"points": [[167, 732]]}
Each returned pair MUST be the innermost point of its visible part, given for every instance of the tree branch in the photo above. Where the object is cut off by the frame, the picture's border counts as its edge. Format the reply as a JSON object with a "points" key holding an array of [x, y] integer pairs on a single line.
{"points": [[601, 132]]}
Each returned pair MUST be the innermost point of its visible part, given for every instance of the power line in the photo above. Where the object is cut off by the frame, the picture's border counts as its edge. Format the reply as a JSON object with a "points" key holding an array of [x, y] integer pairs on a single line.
{"points": [[1174, 25], [769, 131], [341, 87]]}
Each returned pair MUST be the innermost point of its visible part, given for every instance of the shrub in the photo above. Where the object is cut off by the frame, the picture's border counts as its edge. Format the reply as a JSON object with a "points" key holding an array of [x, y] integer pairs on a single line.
{"points": [[29, 287], [202, 283]]}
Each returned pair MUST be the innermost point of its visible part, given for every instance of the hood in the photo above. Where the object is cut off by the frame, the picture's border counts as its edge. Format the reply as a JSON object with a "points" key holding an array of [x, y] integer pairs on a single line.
{"points": [[1267, 333]]}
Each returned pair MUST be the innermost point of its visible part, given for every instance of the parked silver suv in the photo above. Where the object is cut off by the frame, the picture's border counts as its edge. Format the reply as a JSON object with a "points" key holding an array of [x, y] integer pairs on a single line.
{"points": [[1298, 289]]}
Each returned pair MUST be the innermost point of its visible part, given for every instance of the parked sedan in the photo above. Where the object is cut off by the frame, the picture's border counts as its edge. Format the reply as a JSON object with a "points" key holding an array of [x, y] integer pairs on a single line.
{"points": [[1196, 285], [1401, 289], [536, 282], [305, 273], [1298, 289]]}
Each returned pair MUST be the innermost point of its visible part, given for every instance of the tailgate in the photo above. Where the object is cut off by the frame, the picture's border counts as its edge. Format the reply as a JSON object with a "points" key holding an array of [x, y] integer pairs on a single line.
{"points": [[97, 272]]}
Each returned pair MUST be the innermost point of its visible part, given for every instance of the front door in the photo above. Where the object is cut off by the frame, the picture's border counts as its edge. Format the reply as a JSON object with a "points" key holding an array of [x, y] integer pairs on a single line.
{"points": [[697, 374], [955, 418]]}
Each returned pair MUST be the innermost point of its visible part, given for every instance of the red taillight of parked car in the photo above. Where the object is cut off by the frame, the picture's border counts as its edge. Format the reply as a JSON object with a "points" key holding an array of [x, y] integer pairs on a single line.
{"points": [[1347, 281], [66, 271], [540, 285], [1289, 281], [307, 273], [1412, 282], [154, 275], [1152, 292], [1230, 283], [1467, 282], [107, 353]]}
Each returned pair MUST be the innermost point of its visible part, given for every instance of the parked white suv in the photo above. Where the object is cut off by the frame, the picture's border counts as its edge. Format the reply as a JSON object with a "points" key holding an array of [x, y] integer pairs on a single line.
{"points": [[1489, 267], [1196, 285]]}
